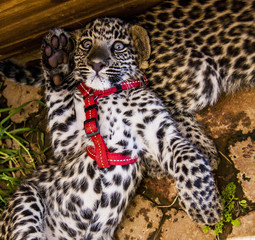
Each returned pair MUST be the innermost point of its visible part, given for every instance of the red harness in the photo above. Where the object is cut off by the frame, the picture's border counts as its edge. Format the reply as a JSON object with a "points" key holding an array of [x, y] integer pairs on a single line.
{"points": [[99, 151]]}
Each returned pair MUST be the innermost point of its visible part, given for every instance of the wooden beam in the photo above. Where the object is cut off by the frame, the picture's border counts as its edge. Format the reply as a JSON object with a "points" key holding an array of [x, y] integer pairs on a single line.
{"points": [[24, 22]]}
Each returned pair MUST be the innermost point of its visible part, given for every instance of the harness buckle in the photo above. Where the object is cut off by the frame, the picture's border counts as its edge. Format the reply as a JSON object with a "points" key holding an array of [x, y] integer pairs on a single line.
{"points": [[94, 133], [118, 88], [93, 106]]}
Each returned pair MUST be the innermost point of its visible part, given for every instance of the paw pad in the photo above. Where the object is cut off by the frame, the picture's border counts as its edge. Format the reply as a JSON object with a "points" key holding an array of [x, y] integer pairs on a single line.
{"points": [[57, 54]]}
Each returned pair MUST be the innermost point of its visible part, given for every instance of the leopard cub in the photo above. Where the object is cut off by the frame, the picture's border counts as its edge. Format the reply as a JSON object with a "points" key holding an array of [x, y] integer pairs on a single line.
{"points": [[85, 188]]}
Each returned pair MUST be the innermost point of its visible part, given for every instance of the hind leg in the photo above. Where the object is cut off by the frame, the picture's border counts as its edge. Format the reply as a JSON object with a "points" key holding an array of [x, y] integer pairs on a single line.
{"points": [[24, 216]]}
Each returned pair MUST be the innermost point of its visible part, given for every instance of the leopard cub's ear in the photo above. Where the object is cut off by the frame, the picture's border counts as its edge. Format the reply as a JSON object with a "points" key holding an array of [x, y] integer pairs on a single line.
{"points": [[142, 45]]}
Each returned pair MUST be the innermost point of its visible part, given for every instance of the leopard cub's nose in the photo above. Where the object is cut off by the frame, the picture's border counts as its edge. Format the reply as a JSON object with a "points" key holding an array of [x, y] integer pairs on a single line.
{"points": [[97, 67]]}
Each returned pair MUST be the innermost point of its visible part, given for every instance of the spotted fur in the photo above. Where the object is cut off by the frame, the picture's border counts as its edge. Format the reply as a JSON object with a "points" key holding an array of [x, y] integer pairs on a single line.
{"points": [[199, 50], [70, 197]]}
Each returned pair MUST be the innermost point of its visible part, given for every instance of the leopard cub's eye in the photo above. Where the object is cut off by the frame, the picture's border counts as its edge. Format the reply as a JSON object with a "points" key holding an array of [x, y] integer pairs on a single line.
{"points": [[119, 46], [86, 44]]}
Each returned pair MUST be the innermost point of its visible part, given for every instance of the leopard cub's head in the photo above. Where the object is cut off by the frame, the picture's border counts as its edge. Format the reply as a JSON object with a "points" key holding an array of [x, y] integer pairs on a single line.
{"points": [[109, 51]]}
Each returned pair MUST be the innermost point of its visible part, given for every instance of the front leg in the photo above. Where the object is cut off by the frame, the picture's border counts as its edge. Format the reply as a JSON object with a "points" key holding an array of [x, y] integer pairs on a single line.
{"points": [[65, 107]]}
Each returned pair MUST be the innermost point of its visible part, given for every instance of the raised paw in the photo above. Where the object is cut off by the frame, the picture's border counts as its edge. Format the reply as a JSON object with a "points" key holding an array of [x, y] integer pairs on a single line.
{"points": [[57, 55]]}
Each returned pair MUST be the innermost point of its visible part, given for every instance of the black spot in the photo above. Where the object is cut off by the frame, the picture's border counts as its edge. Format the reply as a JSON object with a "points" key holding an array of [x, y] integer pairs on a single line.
{"points": [[237, 6], [185, 170], [81, 167], [77, 200], [86, 214], [141, 126], [213, 64], [134, 173], [115, 199], [179, 159], [83, 185], [249, 46], [198, 183], [181, 178], [70, 206], [149, 26], [196, 54], [233, 51], [29, 199], [91, 171], [96, 227], [82, 225], [184, 3], [122, 143], [35, 207], [59, 199], [27, 213], [195, 12], [126, 122], [150, 18], [126, 183], [104, 200], [160, 133], [198, 40], [220, 5], [240, 62], [178, 13], [194, 170], [211, 40], [188, 184], [224, 62], [127, 134], [117, 179], [209, 13], [217, 50], [128, 113], [164, 16], [206, 178], [98, 186]]}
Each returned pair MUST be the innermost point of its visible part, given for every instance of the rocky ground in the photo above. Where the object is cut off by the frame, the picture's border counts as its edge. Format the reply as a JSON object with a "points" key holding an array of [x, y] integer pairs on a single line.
{"points": [[154, 212]]}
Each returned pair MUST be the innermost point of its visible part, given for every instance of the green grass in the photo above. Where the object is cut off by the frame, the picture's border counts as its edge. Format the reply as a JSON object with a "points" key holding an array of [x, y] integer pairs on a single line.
{"points": [[231, 204], [18, 155]]}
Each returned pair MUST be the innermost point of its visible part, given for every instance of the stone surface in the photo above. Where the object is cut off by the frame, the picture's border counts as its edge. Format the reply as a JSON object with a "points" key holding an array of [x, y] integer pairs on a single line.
{"points": [[232, 113], [246, 229], [243, 155], [161, 191], [178, 226], [17, 94], [141, 220]]}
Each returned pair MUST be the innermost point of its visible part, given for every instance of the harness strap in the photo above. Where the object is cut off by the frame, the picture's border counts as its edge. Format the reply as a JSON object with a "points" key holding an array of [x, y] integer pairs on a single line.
{"points": [[100, 152], [92, 130]]}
